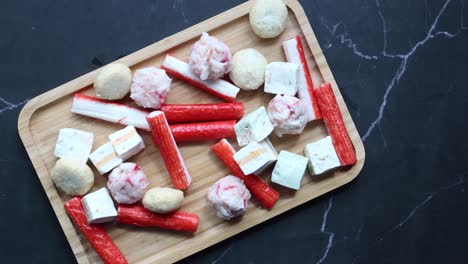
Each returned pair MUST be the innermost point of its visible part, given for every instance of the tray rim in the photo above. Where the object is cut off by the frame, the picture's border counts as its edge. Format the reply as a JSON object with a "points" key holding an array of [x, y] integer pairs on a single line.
{"points": [[143, 54]]}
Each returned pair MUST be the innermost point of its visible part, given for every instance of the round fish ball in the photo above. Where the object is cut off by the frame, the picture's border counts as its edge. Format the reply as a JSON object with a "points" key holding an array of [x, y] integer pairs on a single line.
{"points": [[268, 18], [162, 200], [113, 82], [72, 176], [248, 69]]}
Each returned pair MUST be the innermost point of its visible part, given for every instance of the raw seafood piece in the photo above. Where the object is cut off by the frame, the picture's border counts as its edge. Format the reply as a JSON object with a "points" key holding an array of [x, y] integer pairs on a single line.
{"points": [[184, 113], [150, 87], [95, 234], [181, 70], [113, 82], [322, 156], [163, 139], [109, 111], [268, 18], [335, 124], [105, 158], [162, 200], [254, 127], [253, 158], [287, 113], [295, 53], [229, 197], [210, 58], [99, 207], [280, 78], [248, 69], [74, 143], [127, 183], [127, 142], [138, 216], [266, 195], [203, 131], [289, 170], [72, 176]]}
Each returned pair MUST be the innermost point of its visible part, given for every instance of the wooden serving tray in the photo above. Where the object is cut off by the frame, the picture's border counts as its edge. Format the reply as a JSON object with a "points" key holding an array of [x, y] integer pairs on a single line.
{"points": [[41, 119]]}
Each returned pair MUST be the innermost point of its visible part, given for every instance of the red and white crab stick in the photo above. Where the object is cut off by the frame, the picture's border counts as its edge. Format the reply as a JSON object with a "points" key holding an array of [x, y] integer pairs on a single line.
{"points": [[109, 111], [295, 53], [95, 234], [137, 215], [175, 113], [181, 70], [203, 131], [185, 113], [266, 195], [162, 137], [334, 121]]}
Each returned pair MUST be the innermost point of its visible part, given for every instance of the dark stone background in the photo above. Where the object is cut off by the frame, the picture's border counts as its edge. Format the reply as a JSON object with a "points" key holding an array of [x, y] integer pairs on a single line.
{"points": [[401, 66]]}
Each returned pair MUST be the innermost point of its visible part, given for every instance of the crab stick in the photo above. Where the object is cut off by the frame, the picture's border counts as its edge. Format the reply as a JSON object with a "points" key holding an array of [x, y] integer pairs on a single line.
{"points": [[335, 124], [163, 139], [95, 234], [203, 131], [266, 195], [184, 113], [181, 70], [109, 111], [137, 215], [295, 53]]}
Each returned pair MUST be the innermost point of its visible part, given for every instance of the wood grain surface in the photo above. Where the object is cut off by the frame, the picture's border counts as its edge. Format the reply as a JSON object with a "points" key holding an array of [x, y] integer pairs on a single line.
{"points": [[41, 119]]}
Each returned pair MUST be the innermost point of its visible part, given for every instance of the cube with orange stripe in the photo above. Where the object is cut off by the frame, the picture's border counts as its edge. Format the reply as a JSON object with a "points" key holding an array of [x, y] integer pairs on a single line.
{"points": [[105, 158], [127, 142], [254, 157]]}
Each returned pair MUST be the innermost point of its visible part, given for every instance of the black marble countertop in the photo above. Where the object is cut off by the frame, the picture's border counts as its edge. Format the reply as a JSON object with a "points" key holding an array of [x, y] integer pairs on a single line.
{"points": [[402, 69]]}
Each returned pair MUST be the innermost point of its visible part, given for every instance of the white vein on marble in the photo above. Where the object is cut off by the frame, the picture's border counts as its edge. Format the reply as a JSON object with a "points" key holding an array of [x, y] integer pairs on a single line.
{"points": [[404, 60], [223, 254], [323, 230], [179, 5], [6, 105]]}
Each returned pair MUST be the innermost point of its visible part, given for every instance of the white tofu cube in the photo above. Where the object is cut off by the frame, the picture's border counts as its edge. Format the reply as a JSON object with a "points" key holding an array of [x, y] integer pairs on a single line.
{"points": [[254, 127], [105, 158], [280, 78], [322, 156], [126, 142], [266, 143], [289, 170], [74, 143], [99, 207], [253, 157]]}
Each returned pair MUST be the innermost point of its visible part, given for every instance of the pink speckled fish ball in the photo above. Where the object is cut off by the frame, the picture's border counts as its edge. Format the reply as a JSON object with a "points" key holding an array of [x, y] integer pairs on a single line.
{"points": [[127, 183], [150, 87]]}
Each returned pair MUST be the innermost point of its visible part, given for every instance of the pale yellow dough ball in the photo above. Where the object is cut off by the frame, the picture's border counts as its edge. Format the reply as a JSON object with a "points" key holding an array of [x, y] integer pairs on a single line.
{"points": [[268, 18], [162, 200], [113, 82], [72, 176], [248, 69]]}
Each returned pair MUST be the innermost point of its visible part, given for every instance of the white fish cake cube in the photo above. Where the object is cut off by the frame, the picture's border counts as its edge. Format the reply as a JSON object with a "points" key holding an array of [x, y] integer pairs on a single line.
{"points": [[99, 207], [127, 142], [322, 156], [289, 170], [254, 127], [253, 157], [266, 143], [74, 143], [280, 78], [105, 158]]}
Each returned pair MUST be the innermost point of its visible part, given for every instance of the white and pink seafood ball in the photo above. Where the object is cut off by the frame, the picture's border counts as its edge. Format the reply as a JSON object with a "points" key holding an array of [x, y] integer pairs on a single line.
{"points": [[127, 183], [150, 87], [287, 113], [229, 197], [210, 58]]}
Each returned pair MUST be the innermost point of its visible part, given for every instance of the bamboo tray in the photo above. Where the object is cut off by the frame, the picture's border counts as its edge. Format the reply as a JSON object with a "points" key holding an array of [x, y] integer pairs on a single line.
{"points": [[41, 119]]}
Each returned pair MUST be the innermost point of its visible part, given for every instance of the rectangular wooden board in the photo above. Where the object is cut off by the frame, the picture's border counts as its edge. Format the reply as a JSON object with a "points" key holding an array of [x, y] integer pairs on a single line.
{"points": [[41, 119]]}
